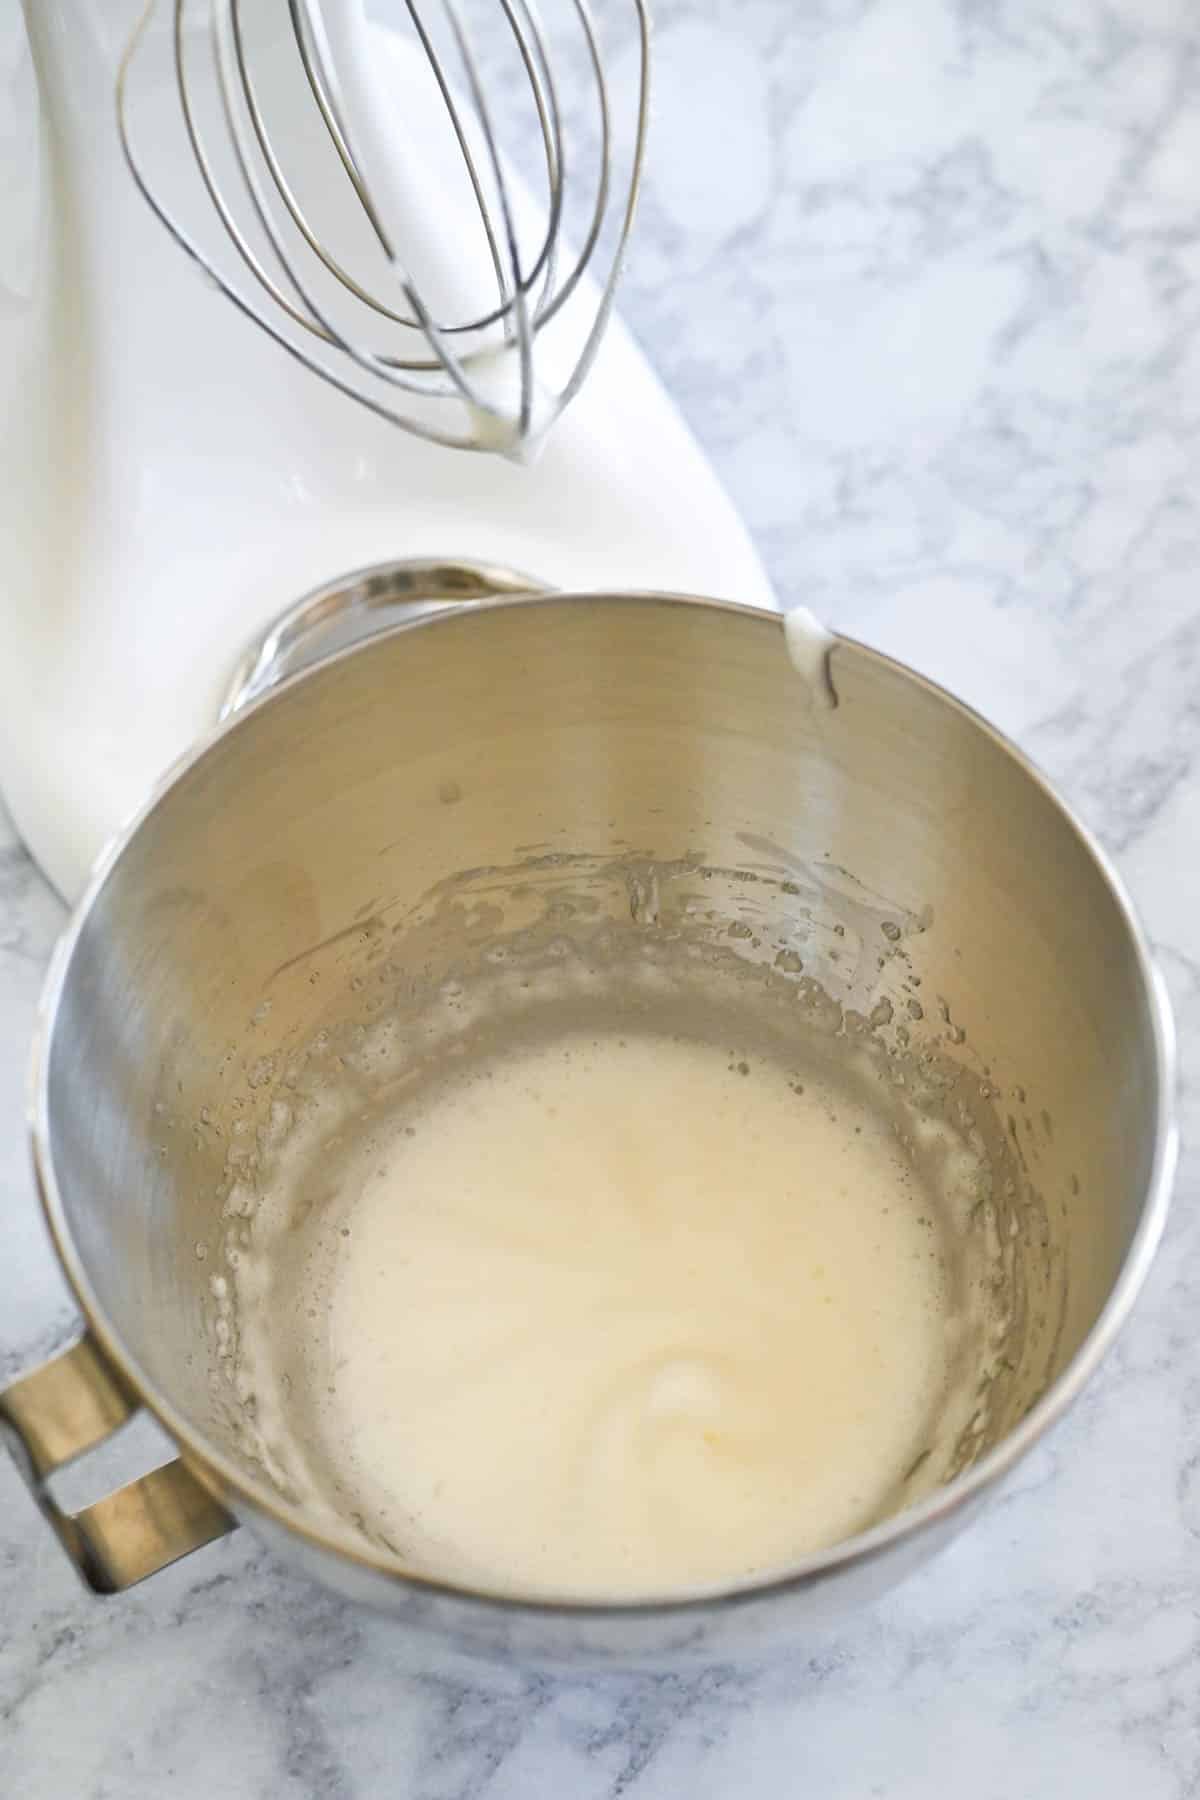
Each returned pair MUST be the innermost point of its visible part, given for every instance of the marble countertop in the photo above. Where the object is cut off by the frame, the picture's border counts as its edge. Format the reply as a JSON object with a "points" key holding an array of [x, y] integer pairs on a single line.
{"points": [[925, 277]]}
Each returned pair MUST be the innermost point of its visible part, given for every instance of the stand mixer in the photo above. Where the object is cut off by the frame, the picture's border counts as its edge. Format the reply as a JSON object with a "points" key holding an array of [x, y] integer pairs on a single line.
{"points": [[171, 480]]}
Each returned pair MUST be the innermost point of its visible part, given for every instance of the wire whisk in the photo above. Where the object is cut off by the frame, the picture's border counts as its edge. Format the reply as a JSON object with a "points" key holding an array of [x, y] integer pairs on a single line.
{"points": [[431, 298]]}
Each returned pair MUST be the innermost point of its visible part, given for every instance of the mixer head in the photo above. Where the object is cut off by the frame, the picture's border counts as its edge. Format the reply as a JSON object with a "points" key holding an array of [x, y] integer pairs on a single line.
{"points": [[356, 191]]}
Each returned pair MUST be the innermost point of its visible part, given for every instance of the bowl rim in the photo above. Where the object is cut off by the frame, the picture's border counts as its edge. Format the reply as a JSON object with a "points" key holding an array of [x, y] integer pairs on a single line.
{"points": [[248, 1497]]}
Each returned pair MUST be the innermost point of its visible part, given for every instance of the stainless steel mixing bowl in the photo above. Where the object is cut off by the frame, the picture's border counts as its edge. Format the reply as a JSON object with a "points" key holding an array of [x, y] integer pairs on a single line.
{"points": [[280, 863]]}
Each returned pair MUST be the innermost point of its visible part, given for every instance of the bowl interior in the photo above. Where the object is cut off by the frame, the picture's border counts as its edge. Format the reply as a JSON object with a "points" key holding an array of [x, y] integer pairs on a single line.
{"points": [[641, 772]]}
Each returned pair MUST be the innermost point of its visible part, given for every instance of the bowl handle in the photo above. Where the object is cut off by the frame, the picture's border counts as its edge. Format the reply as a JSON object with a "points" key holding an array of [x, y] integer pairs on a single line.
{"points": [[356, 606], [59, 1412]]}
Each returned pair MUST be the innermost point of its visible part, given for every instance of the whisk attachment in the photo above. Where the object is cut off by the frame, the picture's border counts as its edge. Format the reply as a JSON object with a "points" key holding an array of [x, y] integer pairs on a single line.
{"points": [[352, 191]]}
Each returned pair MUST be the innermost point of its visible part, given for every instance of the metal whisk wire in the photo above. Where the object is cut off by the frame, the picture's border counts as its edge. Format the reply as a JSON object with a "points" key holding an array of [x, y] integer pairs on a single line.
{"points": [[445, 366]]}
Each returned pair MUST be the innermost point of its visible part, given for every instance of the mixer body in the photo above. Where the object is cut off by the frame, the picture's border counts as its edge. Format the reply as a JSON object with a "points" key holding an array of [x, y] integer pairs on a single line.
{"points": [[169, 480]]}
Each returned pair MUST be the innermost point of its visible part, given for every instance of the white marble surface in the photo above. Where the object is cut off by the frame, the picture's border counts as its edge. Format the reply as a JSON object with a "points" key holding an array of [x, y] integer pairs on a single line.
{"points": [[923, 274]]}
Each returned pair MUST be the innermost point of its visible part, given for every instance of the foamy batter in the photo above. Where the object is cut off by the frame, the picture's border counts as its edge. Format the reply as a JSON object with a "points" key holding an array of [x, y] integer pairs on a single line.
{"points": [[618, 1317]]}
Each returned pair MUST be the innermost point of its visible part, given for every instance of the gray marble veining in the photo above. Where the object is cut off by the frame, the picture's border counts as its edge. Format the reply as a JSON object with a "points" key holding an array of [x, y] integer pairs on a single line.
{"points": [[924, 276]]}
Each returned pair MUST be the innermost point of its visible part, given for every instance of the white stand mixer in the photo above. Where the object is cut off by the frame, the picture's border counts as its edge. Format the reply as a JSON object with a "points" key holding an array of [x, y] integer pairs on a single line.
{"points": [[170, 482]]}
